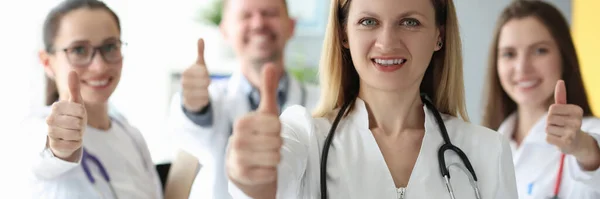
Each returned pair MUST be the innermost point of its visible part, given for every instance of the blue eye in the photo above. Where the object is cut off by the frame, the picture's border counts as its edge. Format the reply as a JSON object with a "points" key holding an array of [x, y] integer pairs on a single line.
{"points": [[411, 22], [368, 22]]}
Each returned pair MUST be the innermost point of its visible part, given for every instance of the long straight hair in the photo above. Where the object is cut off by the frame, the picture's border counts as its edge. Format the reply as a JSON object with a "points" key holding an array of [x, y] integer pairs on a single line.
{"points": [[498, 104], [443, 80]]}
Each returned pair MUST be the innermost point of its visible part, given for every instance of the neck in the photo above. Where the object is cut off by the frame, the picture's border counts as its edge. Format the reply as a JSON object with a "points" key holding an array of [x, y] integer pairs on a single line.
{"points": [[98, 116], [253, 71], [527, 116], [393, 112]]}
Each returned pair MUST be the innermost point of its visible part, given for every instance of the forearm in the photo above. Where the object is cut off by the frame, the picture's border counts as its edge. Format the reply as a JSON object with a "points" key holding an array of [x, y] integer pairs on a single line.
{"points": [[588, 156]]}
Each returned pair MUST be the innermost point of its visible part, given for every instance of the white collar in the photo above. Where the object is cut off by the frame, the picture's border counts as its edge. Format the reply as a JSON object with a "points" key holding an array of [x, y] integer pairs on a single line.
{"points": [[537, 133]]}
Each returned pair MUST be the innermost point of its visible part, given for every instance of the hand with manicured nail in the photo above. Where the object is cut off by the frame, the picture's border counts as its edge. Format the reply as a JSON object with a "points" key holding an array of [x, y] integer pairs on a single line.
{"points": [[254, 147], [67, 122], [195, 81]]}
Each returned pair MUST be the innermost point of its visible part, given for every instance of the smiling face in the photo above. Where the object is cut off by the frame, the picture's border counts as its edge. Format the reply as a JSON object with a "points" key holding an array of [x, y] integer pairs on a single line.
{"points": [[529, 62], [79, 32], [258, 30], [391, 41]]}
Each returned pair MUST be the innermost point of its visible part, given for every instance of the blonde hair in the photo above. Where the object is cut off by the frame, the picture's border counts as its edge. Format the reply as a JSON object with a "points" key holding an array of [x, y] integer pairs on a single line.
{"points": [[443, 80]]}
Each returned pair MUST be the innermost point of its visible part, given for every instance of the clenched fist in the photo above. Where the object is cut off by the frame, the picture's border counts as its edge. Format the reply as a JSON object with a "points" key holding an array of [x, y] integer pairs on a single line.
{"points": [[254, 147], [67, 122], [195, 81]]}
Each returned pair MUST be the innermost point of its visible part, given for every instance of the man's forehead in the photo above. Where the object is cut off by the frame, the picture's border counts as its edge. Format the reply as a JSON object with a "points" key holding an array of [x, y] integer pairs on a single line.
{"points": [[249, 4]]}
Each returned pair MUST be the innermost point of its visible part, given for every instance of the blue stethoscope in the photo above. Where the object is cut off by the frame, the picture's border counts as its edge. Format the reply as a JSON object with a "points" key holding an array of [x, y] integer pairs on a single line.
{"points": [[87, 157], [441, 159]]}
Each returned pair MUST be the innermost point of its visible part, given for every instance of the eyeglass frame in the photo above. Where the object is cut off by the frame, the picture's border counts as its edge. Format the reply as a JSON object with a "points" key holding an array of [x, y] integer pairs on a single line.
{"points": [[95, 49]]}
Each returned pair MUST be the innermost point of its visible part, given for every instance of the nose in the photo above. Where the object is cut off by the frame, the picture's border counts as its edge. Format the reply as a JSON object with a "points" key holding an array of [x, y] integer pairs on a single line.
{"points": [[257, 21], [523, 64], [389, 39], [97, 63]]}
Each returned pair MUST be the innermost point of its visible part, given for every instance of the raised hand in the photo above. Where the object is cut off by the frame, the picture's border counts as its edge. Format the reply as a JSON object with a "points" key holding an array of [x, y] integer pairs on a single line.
{"points": [[254, 149], [67, 122], [195, 81]]}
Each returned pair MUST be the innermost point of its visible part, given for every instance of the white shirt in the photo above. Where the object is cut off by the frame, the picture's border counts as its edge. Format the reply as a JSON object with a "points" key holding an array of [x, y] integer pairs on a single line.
{"points": [[229, 101], [537, 163], [356, 168], [121, 150]]}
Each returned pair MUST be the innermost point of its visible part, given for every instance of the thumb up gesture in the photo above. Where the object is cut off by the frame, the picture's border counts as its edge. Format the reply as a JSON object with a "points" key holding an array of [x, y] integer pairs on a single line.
{"points": [[563, 126], [195, 80], [254, 147], [66, 122]]}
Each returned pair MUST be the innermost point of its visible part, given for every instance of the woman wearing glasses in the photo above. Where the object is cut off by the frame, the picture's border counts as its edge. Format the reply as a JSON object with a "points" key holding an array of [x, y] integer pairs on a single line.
{"points": [[81, 149]]}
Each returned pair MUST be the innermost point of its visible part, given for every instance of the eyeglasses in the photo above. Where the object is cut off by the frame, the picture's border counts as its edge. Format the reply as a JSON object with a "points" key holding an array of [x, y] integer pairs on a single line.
{"points": [[81, 55]]}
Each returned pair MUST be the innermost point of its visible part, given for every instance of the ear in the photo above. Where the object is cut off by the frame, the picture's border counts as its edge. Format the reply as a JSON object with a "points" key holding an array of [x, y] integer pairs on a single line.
{"points": [[440, 41], [438, 44], [44, 58], [344, 39], [292, 28]]}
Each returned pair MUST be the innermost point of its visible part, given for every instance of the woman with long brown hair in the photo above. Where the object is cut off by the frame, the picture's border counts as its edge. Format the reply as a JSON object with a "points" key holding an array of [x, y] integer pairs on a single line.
{"points": [[391, 121], [536, 99]]}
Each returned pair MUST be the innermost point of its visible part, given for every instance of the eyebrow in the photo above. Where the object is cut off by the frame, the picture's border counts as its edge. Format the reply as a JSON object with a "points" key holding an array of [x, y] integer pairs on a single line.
{"points": [[543, 42], [405, 14], [82, 41]]}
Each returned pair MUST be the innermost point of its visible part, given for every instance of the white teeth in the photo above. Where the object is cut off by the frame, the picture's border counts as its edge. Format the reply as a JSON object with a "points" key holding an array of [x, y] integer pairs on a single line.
{"points": [[98, 83], [527, 84], [390, 61]]}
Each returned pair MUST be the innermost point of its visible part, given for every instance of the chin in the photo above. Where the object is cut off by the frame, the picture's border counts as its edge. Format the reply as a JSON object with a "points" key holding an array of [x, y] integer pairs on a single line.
{"points": [[96, 100], [529, 100]]}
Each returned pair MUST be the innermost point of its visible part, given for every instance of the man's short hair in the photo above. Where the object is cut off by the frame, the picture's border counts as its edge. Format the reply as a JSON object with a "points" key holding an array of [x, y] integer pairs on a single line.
{"points": [[284, 5]]}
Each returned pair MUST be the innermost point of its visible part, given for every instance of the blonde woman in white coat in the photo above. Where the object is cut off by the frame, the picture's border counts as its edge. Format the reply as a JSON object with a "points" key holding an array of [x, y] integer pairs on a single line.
{"points": [[381, 60]]}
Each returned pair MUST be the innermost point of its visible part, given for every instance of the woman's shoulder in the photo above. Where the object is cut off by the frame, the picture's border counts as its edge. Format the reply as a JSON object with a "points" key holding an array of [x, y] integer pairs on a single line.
{"points": [[474, 134]]}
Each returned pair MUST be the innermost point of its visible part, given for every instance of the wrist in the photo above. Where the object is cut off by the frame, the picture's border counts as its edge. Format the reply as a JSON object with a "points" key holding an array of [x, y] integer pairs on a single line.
{"points": [[73, 157], [588, 152]]}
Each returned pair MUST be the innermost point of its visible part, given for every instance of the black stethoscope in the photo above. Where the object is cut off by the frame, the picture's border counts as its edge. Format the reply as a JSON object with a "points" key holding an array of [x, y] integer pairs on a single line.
{"points": [[441, 159]]}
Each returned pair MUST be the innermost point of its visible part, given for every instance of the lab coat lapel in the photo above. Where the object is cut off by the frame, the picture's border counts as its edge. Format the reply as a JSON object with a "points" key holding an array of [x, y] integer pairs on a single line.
{"points": [[536, 136], [426, 177], [507, 129], [236, 98], [294, 92], [534, 150], [355, 151]]}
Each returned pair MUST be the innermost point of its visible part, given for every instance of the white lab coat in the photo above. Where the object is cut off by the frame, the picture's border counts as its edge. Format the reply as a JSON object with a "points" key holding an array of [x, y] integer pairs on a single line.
{"points": [[537, 163], [229, 101], [356, 168], [121, 150]]}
